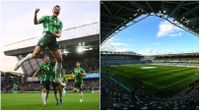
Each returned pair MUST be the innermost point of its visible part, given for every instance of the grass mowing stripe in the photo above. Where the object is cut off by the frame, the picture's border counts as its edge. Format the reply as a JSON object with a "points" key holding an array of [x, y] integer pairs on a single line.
{"points": [[172, 76], [32, 101], [174, 89], [164, 80], [175, 77], [162, 73]]}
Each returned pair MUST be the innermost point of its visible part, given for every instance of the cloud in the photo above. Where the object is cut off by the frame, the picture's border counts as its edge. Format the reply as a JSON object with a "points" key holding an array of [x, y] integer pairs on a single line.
{"points": [[152, 51], [114, 45], [168, 29], [149, 51]]}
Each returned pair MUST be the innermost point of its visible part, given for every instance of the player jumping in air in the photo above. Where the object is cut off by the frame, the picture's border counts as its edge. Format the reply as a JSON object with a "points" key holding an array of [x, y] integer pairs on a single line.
{"points": [[52, 30], [44, 76], [56, 87], [79, 72]]}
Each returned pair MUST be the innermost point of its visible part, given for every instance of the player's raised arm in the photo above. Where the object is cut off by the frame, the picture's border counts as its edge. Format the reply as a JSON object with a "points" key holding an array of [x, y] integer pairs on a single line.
{"points": [[36, 21]]}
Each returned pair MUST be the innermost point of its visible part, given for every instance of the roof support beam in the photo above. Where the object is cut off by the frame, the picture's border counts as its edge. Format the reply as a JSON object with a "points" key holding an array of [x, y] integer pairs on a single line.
{"points": [[139, 6], [120, 6], [177, 8], [113, 17], [191, 11], [109, 24], [149, 6]]}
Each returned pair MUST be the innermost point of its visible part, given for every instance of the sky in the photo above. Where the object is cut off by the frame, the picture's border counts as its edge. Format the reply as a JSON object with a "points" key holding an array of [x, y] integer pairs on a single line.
{"points": [[16, 20], [17, 17], [152, 36]]}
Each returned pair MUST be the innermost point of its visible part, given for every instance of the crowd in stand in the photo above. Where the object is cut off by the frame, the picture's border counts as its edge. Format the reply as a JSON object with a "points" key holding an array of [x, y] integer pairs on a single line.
{"points": [[190, 60], [116, 96], [9, 80], [89, 64]]}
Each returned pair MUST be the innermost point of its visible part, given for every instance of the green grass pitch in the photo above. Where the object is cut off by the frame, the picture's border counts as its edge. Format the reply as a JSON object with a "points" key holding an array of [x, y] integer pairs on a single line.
{"points": [[33, 101], [164, 81]]}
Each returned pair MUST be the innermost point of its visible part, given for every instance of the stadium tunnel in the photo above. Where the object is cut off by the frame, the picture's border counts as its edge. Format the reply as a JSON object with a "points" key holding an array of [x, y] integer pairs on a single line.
{"points": [[116, 16], [76, 43]]}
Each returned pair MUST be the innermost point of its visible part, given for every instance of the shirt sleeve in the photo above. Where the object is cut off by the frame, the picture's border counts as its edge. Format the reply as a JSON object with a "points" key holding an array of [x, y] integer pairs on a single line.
{"points": [[73, 72], [41, 68], [42, 19], [60, 26], [82, 70]]}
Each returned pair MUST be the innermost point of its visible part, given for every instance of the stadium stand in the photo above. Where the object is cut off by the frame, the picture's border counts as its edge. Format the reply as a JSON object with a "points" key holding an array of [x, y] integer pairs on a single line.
{"points": [[117, 96], [84, 37], [117, 16], [119, 58], [188, 58]]}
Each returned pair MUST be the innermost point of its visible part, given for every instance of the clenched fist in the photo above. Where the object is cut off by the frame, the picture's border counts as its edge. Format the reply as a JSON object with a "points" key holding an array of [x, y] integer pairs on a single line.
{"points": [[37, 10]]}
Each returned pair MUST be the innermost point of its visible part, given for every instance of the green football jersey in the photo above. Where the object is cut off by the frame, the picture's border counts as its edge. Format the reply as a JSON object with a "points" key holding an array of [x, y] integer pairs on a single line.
{"points": [[44, 72], [77, 73], [52, 71], [15, 86], [51, 24]]}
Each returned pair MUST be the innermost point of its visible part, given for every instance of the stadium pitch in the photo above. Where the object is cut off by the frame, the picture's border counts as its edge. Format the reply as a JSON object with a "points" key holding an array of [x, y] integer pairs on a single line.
{"points": [[163, 81], [32, 101]]}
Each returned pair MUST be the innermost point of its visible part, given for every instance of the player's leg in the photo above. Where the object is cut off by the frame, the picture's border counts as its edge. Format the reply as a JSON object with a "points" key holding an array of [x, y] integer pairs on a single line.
{"points": [[81, 93], [45, 85], [58, 66], [55, 92], [64, 91], [28, 57], [60, 93], [47, 94], [47, 89], [44, 94], [75, 89]]}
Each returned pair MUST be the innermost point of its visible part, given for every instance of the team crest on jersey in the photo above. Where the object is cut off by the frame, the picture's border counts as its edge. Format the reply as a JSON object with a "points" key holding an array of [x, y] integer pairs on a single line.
{"points": [[41, 44]]}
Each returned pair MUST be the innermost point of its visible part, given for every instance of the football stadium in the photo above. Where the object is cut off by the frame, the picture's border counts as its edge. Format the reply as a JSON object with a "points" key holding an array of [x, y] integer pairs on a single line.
{"points": [[78, 43], [168, 81]]}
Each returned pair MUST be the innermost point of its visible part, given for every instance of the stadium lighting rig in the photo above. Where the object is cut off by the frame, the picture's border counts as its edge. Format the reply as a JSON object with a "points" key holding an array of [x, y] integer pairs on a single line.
{"points": [[82, 47], [65, 51]]}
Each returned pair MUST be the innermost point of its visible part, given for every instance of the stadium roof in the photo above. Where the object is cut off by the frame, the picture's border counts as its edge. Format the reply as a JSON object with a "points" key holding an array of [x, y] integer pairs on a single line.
{"points": [[85, 36], [158, 55], [118, 53], [177, 54], [116, 16], [88, 33]]}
